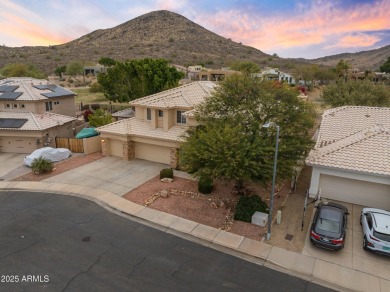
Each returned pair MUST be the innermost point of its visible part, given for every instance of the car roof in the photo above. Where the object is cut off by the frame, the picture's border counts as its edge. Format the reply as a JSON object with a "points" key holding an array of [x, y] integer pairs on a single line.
{"points": [[382, 222]]}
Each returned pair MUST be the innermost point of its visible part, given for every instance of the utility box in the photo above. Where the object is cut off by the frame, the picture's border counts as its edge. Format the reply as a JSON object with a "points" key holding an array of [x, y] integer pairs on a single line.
{"points": [[260, 219], [279, 217]]}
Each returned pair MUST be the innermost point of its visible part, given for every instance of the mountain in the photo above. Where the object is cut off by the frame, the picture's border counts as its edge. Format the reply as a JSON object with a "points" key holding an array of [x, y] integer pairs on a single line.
{"points": [[158, 34], [365, 60]]}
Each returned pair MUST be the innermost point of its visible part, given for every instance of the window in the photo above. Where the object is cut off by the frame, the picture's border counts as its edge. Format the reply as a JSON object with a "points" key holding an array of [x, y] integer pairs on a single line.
{"points": [[15, 105], [56, 102], [7, 105], [49, 106], [22, 106], [148, 114], [180, 119], [160, 113]]}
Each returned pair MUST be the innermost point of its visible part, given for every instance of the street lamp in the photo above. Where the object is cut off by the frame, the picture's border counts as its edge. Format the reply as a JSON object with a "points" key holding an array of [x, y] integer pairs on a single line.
{"points": [[271, 204]]}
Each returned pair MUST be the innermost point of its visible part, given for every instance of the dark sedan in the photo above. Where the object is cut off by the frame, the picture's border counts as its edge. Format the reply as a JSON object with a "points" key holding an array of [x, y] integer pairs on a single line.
{"points": [[329, 226]]}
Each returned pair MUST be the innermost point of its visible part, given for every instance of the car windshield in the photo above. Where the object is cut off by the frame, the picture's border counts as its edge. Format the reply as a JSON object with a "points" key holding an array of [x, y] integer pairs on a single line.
{"points": [[382, 236], [328, 225], [329, 220]]}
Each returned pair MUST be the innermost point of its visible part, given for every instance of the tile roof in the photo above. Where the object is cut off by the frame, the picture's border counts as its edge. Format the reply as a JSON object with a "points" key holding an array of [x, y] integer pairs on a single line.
{"points": [[30, 88], [142, 128], [354, 138], [35, 122], [126, 113], [185, 96]]}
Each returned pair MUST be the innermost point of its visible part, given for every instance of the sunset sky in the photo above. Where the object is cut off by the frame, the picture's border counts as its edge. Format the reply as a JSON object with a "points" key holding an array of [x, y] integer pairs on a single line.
{"points": [[307, 29]]}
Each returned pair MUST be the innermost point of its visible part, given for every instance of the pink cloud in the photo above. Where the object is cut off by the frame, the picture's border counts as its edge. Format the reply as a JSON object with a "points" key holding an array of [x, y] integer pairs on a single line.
{"points": [[321, 23]]}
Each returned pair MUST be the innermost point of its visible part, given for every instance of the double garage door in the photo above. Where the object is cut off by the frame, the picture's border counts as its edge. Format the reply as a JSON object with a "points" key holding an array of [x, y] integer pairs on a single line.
{"points": [[355, 191], [17, 144], [145, 151]]}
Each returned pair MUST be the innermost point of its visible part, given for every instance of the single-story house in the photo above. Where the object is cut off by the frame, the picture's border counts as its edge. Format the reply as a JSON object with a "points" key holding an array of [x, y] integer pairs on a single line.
{"points": [[23, 132], [123, 114], [351, 157], [156, 130]]}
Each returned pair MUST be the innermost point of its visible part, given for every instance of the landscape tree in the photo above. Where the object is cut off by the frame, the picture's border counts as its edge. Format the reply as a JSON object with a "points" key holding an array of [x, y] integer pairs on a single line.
{"points": [[386, 66], [22, 70], [74, 68], [342, 69], [60, 70], [230, 142], [305, 72], [100, 118], [133, 79], [246, 67], [359, 93], [106, 61]]}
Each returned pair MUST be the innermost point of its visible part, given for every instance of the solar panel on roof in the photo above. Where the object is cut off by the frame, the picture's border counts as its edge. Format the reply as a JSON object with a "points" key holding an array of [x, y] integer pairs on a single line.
{"points": [[8, 88], [10, 95], [56, 90], [12, 123]]}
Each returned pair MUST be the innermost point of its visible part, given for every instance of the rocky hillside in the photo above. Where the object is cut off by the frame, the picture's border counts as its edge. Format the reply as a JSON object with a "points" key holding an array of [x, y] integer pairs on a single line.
{"points": [[159, 34], [366, 60]]}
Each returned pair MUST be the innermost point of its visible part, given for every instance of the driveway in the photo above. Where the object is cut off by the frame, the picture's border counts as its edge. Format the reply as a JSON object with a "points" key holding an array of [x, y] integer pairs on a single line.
{"points": [[11, 166], [111, 173], [352, 255]]}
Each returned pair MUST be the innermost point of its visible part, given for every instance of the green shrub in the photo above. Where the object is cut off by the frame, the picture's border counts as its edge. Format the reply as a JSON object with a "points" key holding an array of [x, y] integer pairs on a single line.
{"points": [[42, 165], [166, 173], [247, 206], [205, 185], [95, 87]]}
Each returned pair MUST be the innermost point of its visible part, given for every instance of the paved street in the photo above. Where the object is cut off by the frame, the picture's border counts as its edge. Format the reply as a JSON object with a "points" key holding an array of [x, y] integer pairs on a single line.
{"points": [[60, 243]]}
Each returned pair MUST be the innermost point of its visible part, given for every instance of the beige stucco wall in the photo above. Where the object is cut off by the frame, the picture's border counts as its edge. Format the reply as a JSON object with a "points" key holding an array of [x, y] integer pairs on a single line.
{"points": [[92, 144]]}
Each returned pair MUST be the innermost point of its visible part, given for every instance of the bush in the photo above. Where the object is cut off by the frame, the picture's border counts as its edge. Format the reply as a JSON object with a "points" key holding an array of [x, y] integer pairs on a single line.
{"points": [[42, 165], [95, 87], [166, 173], [205, 185], [247, 206]]}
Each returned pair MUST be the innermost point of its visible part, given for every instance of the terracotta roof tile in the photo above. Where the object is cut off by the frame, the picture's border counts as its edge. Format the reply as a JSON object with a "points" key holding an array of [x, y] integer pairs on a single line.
{"points": [[354, 138], [142, 128], [36, 122], [185, 96]]}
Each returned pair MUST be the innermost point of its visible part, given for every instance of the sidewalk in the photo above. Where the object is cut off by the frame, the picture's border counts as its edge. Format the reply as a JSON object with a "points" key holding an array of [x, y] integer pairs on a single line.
{"points": [[305, 266]]}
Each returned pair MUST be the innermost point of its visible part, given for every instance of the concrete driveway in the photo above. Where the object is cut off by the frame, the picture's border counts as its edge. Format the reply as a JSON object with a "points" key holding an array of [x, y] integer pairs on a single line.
{"points": [[11, 166], [111, 173], [352, 255]]}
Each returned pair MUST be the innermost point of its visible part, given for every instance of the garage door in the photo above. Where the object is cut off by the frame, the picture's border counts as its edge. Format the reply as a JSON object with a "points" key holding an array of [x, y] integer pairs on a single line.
{"points": [[152, 153], [355, 191], [116, 148], [17, 145]]}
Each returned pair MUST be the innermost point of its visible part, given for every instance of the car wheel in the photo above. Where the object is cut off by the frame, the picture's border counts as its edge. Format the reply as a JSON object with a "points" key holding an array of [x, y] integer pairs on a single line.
{"points": [[365, 243]]}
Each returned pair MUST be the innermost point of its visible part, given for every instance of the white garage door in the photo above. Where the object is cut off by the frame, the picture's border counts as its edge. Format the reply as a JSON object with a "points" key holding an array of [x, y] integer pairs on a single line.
{"points": [[152, 153], [17, 145], [116, 148], [355, 191]]}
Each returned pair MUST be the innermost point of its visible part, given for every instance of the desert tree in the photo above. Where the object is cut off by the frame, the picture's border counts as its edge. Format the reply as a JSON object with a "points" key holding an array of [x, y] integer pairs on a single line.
{"points": [[133, 79], [230, 143], [359, 93]]}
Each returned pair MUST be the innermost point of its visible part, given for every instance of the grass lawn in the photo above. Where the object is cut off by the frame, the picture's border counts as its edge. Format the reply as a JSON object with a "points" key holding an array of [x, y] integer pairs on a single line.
{"points": [[86, 97]]}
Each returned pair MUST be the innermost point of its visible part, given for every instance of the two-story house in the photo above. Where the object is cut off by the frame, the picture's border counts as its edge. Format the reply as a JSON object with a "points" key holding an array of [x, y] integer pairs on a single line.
{"points": [[32, 113], [156, 130]]}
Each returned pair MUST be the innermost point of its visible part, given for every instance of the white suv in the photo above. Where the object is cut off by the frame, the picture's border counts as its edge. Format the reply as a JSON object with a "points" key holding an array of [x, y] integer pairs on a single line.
{"points": [[376, 230]]}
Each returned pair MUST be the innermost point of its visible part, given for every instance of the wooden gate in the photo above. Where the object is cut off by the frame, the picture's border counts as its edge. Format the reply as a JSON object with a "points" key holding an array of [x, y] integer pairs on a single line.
{"points": [[73, 144]]}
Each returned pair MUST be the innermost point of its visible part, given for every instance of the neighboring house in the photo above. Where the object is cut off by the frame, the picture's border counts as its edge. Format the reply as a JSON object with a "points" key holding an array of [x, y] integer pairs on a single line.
{"points": [[156, 130], [32, 113], [275, 74], [123, 114], [23, 132], [215, 74], [351, 158], [94, 70], [35, 95]]}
